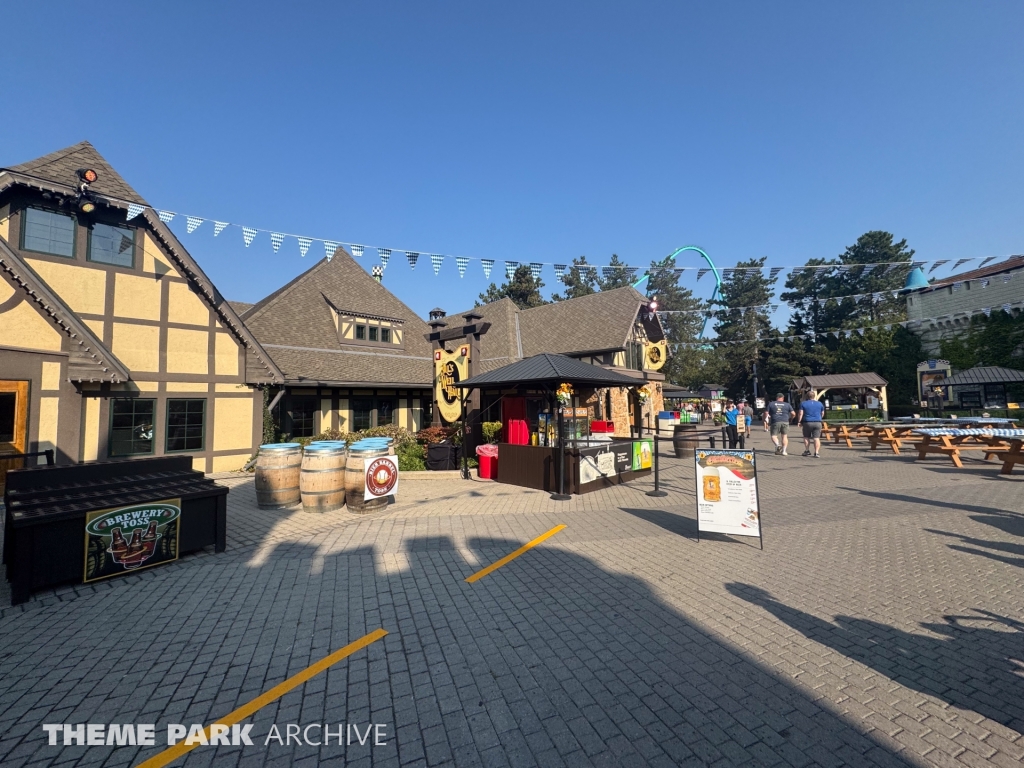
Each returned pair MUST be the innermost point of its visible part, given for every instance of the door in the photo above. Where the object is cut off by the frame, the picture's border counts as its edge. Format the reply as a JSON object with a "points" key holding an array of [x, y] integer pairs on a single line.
{"points": [[13, 425]]}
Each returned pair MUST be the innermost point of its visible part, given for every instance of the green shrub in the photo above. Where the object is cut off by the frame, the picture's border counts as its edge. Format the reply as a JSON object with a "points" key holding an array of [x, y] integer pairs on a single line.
{"points": [[491, 430], [411, 458]]}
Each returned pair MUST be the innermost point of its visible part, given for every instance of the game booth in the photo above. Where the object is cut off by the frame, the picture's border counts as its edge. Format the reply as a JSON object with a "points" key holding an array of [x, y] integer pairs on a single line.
{"points": [[549, 440]]}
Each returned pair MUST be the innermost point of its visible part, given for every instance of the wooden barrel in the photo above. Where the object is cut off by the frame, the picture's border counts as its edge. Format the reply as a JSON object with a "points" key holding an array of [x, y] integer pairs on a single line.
{"points": [[277, 475], [684, 439], [359, 456], [322, 479]]}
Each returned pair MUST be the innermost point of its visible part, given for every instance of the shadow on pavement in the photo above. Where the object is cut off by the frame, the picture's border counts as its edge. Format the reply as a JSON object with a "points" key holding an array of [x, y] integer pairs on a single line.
{"points": [[969, 666]]}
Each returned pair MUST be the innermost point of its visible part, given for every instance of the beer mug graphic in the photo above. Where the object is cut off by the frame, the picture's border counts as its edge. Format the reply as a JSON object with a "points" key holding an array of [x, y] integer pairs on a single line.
{"points": [[712, 484]]}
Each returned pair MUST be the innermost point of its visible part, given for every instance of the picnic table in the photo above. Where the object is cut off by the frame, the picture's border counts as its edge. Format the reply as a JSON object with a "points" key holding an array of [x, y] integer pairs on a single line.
{"points": [[994, 442], [846, 431], [893, 435]]}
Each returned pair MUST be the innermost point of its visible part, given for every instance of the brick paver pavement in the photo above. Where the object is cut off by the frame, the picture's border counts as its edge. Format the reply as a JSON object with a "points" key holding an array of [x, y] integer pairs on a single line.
{"points": [[881, 625]]}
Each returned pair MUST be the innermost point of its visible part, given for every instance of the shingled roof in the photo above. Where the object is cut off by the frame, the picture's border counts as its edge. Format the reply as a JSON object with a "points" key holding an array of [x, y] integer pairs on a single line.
{"points": [[296, 325], [56, 172], [89, 359], [600, 322]]}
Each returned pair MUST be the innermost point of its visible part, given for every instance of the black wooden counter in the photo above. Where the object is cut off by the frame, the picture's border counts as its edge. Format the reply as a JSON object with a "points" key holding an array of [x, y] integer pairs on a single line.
{"points": [[531, 466], [45, 539]]}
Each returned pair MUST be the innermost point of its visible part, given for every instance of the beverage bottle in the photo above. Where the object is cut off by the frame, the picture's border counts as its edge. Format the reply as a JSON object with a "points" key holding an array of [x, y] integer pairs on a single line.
{"points": [[118, 545], [150, 534], [135, 545]]}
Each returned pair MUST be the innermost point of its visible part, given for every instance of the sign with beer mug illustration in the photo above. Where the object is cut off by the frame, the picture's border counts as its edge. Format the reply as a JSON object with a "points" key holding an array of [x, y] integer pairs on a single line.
{"points": [[727, 499], [120, 540]]}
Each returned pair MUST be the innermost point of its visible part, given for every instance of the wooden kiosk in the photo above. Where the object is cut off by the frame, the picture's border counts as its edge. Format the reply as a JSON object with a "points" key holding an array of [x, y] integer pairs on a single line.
{"points": [[549, 446]]}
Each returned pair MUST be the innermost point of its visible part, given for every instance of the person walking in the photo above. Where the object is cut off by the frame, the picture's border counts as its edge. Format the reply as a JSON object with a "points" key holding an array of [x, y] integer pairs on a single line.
{"points": [[748, 415], [766, 419], [731, 414], [780, 414], [811, 414]]}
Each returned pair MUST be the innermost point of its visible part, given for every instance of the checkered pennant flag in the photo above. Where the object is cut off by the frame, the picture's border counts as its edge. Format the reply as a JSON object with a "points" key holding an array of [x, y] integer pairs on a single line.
{"points": [[304, 243], [868, 269], [727, 273], [984, 261], [938, 264], [860, 331], [462, 262], [436, 260], [821, 270], [218, 227], [959, 262], [608, 271], [510, 268], [631, 272], [385, 256], [165, 216], [876, 297], [412, 257], [987, 311], [192, 223], [1006, 277], [890, 267], [134, 210], [589, 272], [248, 233], [957, 285], [487, 264], [842, 269], [560, 272], [774, 308], [329, 248], [357, 250], [984, 282], [678, 272], [917, 264], [1006, 307], [276, 238], [126, 243], [535, 269], [774, 272], [702, 272]]}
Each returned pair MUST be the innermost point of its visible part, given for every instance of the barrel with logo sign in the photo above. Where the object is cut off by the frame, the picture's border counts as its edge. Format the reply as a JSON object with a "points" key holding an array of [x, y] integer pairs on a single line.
{"points": [[322, 478], [361, 456], [277, 475]]}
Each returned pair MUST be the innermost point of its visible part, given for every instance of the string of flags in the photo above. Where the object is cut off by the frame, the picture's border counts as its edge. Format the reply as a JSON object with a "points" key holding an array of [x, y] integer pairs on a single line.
{"points": [[277, 239], [1008, 308]]}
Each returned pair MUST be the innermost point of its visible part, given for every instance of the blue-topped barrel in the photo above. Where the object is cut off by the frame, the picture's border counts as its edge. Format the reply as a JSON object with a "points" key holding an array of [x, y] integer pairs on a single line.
{"points": [[360, 455], [322, 478], [277, 475]]}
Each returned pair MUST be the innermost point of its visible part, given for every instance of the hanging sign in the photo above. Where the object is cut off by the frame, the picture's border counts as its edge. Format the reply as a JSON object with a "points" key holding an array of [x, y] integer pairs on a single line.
{"points": [[381, 478], [655, 354], [121, 540], [727, 500], [449, 369]]}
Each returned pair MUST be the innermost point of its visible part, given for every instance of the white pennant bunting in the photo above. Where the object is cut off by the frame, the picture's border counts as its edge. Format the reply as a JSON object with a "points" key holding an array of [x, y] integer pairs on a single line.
{"points": [[329, 248], [248, 233], [987, 311], [510, 268], [276, 238], [165, 216], [1006, 308], [984, 282], [959, 262], [412, 257], [436, 260], [487, 264], [304, 243], [218, 227], [986, 260], [560, 272], [357, 250], [462, 262], [535, 269], [385, 256], [134, 210], [192, 224], [937, 264]]}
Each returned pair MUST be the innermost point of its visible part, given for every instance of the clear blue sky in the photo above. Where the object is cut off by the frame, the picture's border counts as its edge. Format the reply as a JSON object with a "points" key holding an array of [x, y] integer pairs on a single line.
{"points": [[537, 131]]}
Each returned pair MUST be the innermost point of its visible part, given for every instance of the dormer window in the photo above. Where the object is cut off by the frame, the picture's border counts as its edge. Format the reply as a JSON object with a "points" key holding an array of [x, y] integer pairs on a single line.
{"points": [[366, 330]]}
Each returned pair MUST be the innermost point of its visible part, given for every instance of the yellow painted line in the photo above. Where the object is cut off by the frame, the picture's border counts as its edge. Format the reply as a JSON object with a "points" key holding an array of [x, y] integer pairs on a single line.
{"points": [[248, 710], [509, 558]]}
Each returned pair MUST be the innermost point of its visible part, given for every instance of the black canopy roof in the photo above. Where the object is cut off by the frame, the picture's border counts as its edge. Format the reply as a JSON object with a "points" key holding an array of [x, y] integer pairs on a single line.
{"points": [[550, 369], [983, 374]]}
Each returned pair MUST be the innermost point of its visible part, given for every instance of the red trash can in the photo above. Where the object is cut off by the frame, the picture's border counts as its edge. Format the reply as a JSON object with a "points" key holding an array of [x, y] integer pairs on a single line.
{"points": [[487, 458]]}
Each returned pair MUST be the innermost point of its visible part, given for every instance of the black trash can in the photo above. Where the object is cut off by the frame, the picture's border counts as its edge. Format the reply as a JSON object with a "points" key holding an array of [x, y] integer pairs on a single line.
{"points": [[442, 456]]}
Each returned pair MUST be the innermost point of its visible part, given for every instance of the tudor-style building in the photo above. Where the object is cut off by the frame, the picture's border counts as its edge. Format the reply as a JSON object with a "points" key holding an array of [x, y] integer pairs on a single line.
{"points": [[113, 343], [353, 355]]}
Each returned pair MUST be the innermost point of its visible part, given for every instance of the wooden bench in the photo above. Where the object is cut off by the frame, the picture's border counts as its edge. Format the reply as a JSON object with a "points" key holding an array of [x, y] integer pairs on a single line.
{"points": [[891, 435], [1013, 455], [950, 442]]}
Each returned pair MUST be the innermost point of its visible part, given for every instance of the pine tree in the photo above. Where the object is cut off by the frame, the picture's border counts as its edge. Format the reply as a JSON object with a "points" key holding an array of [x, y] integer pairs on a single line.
{"points": [[744, 321], [580, 280], [523, 289], [618, 275], [685, 366]]}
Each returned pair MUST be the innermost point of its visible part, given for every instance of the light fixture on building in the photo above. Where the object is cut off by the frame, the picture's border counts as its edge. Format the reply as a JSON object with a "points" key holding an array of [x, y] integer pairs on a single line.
{"points": [[88, 175], [86, 202], [652, 307]]}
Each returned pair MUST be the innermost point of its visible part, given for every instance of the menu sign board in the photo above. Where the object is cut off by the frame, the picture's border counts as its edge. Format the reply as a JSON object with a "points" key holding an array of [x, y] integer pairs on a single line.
{"points": [[727, 500]]}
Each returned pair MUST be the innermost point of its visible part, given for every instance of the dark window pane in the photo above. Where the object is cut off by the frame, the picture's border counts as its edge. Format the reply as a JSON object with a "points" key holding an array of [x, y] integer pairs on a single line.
{"points": [[49, 232], [302, 416], [8, 401], [185, 424], [385, 411], [362, 412], [112, 245], [131, 427], [361, 332], [373, 334], [385, 335]]}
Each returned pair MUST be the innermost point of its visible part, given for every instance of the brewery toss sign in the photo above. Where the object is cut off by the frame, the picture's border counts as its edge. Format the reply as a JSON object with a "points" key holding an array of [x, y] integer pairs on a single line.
{"points": [[381, 478], [120, 540], [727, 498]]}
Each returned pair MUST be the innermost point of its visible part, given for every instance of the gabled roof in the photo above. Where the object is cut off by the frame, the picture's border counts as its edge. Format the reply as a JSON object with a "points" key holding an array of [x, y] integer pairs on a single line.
{"points": [[296, 324], [56, 173], [1014, 262], [599, 322], [88, 360], [60, 167], [551, 370], [841, 380], [983, 374]]}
